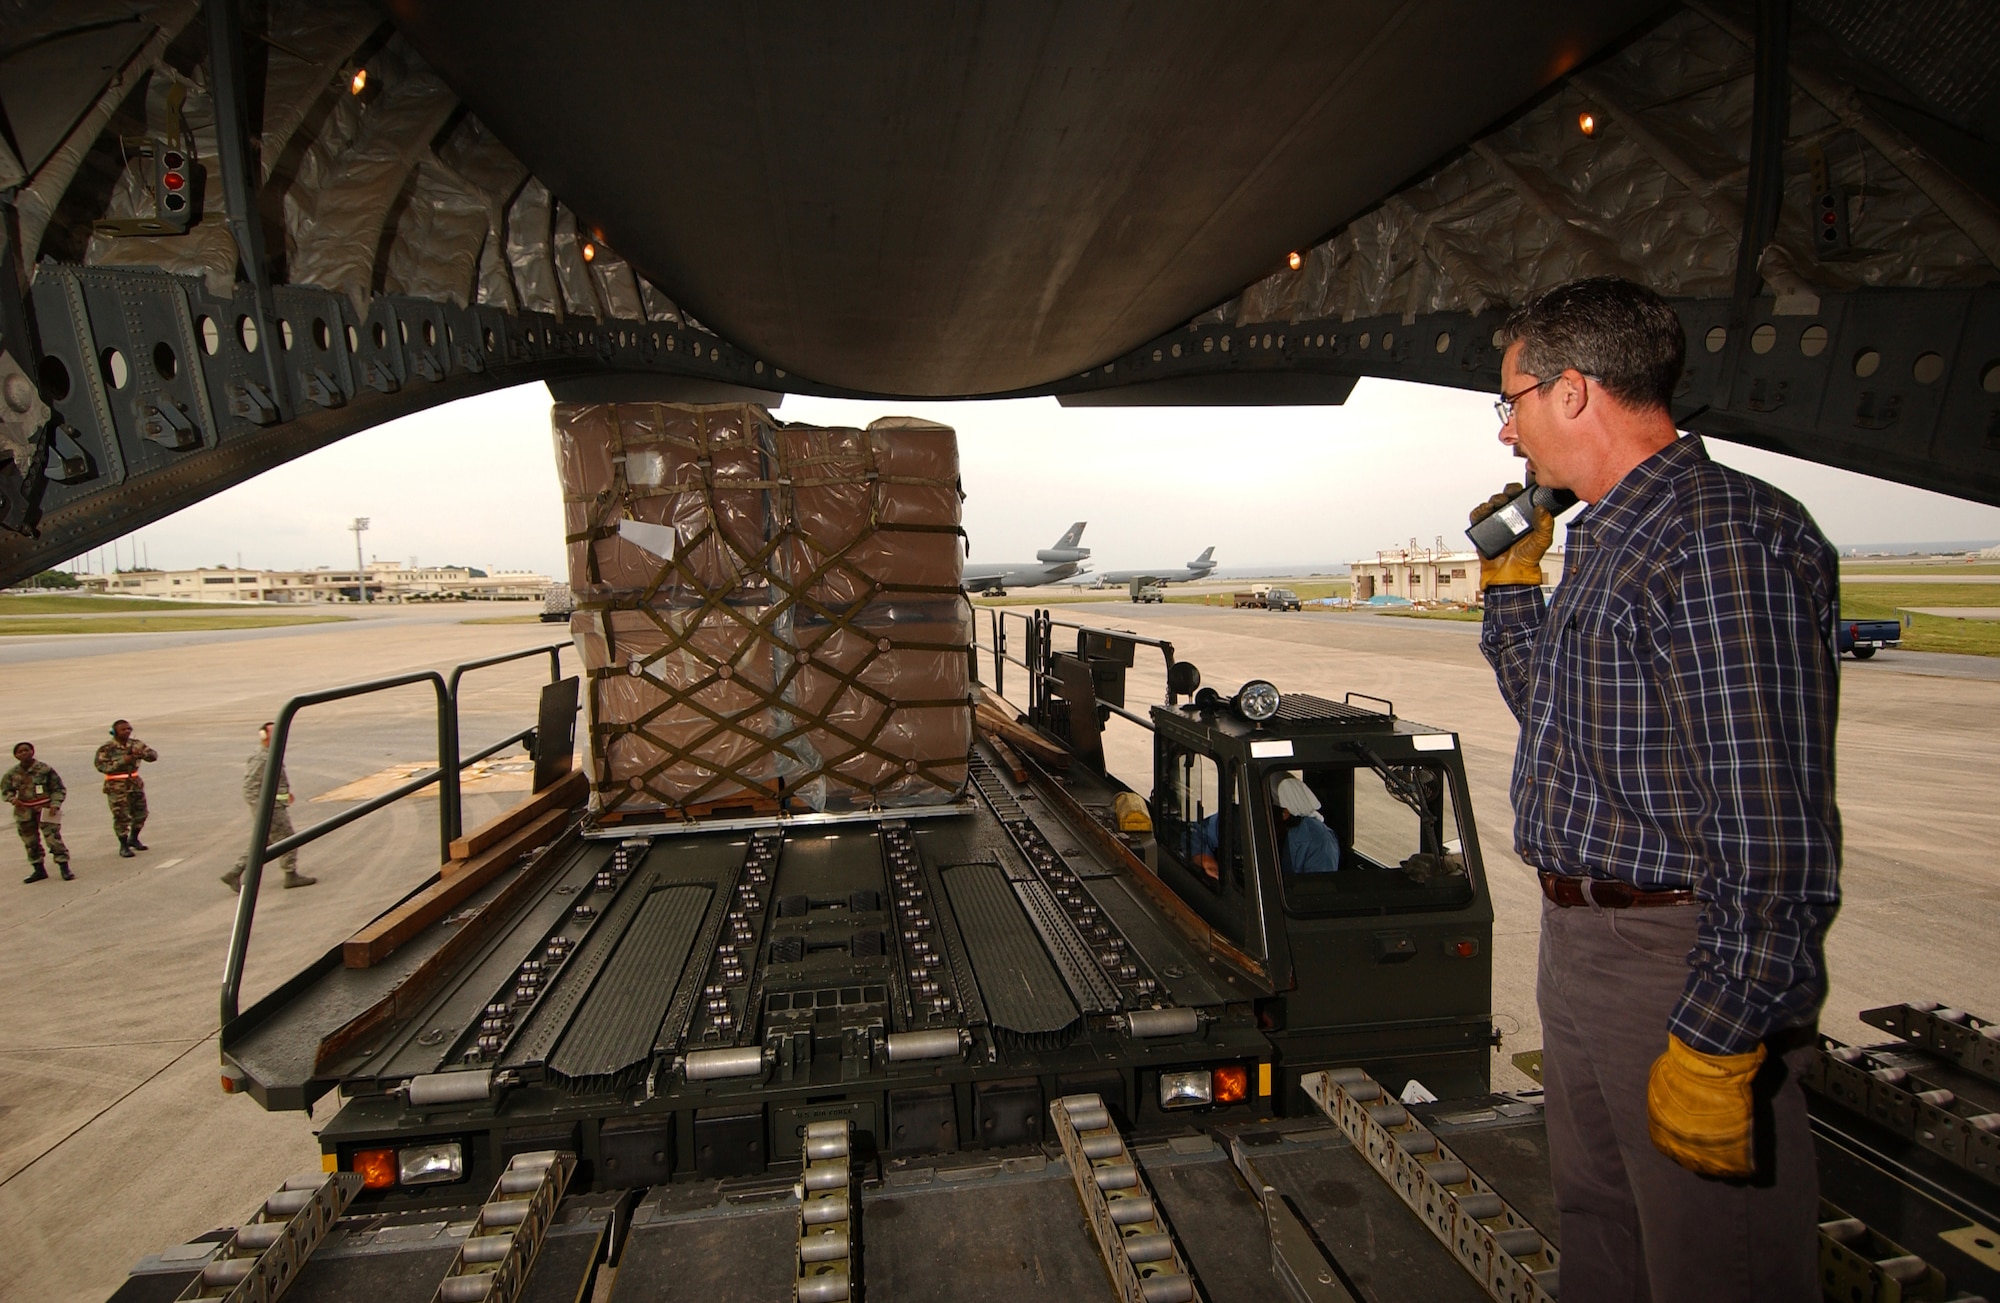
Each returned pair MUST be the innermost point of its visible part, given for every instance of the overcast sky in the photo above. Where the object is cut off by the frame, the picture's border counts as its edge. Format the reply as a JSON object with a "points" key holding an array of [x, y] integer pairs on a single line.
{"points": [[1287, 488]]}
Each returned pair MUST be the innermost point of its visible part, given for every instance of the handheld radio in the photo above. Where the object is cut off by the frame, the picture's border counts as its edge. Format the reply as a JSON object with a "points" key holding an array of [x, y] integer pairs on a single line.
{"points": [[1515, 518]]}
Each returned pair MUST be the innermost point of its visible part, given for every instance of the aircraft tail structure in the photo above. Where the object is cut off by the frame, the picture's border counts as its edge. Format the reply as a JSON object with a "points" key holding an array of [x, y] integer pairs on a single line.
{"points": [[1206, 561], [1066, 548]]}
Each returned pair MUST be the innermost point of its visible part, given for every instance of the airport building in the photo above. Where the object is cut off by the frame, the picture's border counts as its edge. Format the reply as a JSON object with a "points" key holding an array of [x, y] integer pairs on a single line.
{"points": [[383, 581], [1424, 574]]}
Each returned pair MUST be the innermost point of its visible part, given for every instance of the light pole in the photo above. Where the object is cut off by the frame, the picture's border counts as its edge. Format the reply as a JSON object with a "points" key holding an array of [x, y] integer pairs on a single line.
{"points": [[360, 570]]}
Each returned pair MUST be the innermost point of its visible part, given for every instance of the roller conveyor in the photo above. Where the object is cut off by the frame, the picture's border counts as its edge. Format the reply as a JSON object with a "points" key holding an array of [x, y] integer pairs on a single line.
{"points": [[640, 953], [1315, 1212]]}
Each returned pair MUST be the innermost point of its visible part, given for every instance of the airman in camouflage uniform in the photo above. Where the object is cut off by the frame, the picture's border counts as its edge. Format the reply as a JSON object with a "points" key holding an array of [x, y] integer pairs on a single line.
{"points": [[36, 793], [281, 817], [125, 792]]}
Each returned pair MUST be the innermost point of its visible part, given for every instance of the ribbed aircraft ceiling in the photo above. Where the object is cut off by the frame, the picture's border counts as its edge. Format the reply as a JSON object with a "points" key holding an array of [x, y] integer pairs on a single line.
{"points": [[936, 199]]}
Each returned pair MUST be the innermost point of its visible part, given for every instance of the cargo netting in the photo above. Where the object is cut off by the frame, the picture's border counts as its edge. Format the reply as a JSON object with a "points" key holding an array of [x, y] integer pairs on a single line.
{"points": [[768, 615]]}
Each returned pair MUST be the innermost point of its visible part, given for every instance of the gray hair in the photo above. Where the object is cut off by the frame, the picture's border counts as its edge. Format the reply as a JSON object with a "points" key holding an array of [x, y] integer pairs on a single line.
{"points": [[1621, 334]]}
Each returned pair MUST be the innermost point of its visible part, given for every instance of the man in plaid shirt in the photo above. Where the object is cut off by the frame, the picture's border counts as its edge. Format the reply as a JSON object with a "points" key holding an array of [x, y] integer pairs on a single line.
{"points": [[1673, 786]]}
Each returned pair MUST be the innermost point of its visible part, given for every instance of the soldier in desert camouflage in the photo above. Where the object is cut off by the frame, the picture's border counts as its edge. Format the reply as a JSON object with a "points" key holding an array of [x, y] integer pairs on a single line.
{"points": [[36, 793], [118, 760]]}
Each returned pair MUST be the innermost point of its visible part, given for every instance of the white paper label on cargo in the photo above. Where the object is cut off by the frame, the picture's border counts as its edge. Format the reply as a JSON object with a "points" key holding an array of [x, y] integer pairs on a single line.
{"points": [[1270, 750], [656, 539], [1434, 742], [647, 470]]}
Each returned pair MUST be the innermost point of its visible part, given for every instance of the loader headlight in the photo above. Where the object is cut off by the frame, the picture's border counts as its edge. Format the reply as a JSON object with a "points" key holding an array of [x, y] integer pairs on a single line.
{"points": [[1257, 701], [430, 1164], [1186, 1089]]}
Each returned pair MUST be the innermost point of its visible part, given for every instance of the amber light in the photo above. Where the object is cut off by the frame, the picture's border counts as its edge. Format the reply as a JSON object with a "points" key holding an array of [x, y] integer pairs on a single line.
{"points": [[376, 1168], [1586, 122], [1293, 261], [589, 251], [359, 82], [1232, 1084]]}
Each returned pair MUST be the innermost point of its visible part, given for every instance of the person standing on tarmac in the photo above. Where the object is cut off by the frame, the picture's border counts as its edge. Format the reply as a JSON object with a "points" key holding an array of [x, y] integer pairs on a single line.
{"points": [[281, 815], [125, 792], [36, 793], [1674, 785]]}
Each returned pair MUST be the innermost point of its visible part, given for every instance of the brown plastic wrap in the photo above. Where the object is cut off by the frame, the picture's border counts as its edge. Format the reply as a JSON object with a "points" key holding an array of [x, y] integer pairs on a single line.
{"points": [[869, 514], [679, 709], [698, 472], [883, 702], [769, 615]]}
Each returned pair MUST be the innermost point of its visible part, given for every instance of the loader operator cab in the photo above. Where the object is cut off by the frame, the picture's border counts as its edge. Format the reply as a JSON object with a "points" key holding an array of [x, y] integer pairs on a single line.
{"points": [[1396, 932], [1382, 962], [1221, 806]]}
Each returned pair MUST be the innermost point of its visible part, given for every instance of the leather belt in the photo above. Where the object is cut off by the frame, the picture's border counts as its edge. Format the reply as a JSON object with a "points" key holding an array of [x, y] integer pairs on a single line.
{"points": [[1607, 893]]}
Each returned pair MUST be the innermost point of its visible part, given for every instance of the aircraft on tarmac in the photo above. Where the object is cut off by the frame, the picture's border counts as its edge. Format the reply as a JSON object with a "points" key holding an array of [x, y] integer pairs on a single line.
{"points": [[1050, 564], [1196, 569]]}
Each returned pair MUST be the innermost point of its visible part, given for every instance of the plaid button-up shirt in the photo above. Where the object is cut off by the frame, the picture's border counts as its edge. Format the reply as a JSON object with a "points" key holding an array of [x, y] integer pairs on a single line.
{"points": [[1677, 700]]}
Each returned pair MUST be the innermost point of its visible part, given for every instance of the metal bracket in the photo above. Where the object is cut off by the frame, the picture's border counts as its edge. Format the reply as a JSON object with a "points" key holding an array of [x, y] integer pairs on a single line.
{"points": [[493, 1264], [1971, 1042], [1907, 1104], [262, 1259], [1857, 1262], [1298, 1259], [166, 424], [1511, 1260], [829, 1265], [1131, 1229]]}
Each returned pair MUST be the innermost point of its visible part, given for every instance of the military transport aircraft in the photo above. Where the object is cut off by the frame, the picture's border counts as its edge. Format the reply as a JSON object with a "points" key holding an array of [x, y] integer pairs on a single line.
{"points": [[1198, 568], [1061, 561]]}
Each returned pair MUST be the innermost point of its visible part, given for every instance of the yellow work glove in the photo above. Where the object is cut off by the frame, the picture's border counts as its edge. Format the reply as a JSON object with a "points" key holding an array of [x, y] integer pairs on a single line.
{"points": [[1521, 563], [1698, 1108]]}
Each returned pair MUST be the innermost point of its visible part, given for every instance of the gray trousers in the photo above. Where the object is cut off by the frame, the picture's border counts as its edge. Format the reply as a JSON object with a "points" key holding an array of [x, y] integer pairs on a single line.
{"points": [[1636, 1226], [281, 828]]}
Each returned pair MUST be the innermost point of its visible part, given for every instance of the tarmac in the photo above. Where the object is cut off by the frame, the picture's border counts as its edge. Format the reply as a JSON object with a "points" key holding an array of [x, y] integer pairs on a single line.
{"points": [[117, 1141]]}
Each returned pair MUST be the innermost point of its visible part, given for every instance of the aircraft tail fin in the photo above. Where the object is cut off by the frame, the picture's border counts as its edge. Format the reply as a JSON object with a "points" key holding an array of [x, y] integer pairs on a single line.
{"points": [[1207, 558], [1066, 548]]}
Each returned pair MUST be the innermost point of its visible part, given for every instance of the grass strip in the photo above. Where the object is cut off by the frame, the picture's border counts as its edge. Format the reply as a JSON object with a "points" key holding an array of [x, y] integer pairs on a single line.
{"points": [[158, 624], [76, 603], [1411, 613], [1035, 598], [1934, 633], [1942, 571]]}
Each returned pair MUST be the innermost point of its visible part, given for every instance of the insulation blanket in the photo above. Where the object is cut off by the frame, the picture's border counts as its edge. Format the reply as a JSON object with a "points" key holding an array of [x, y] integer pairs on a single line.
{"points": [[768, 615]]}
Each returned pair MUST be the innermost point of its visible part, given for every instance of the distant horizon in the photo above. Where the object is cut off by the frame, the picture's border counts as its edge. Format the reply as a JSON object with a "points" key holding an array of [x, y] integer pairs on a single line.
{"points": [[476, 479], [1273, 569]]}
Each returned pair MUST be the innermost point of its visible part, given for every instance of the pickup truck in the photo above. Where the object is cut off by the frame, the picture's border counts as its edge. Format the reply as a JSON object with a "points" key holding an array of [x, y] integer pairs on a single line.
{"points": [[1268, 599], [1862, 638]]}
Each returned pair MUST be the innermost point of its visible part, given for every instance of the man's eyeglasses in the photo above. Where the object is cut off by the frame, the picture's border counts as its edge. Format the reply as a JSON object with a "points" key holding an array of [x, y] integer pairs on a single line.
{"points": [[1504, 409]]}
